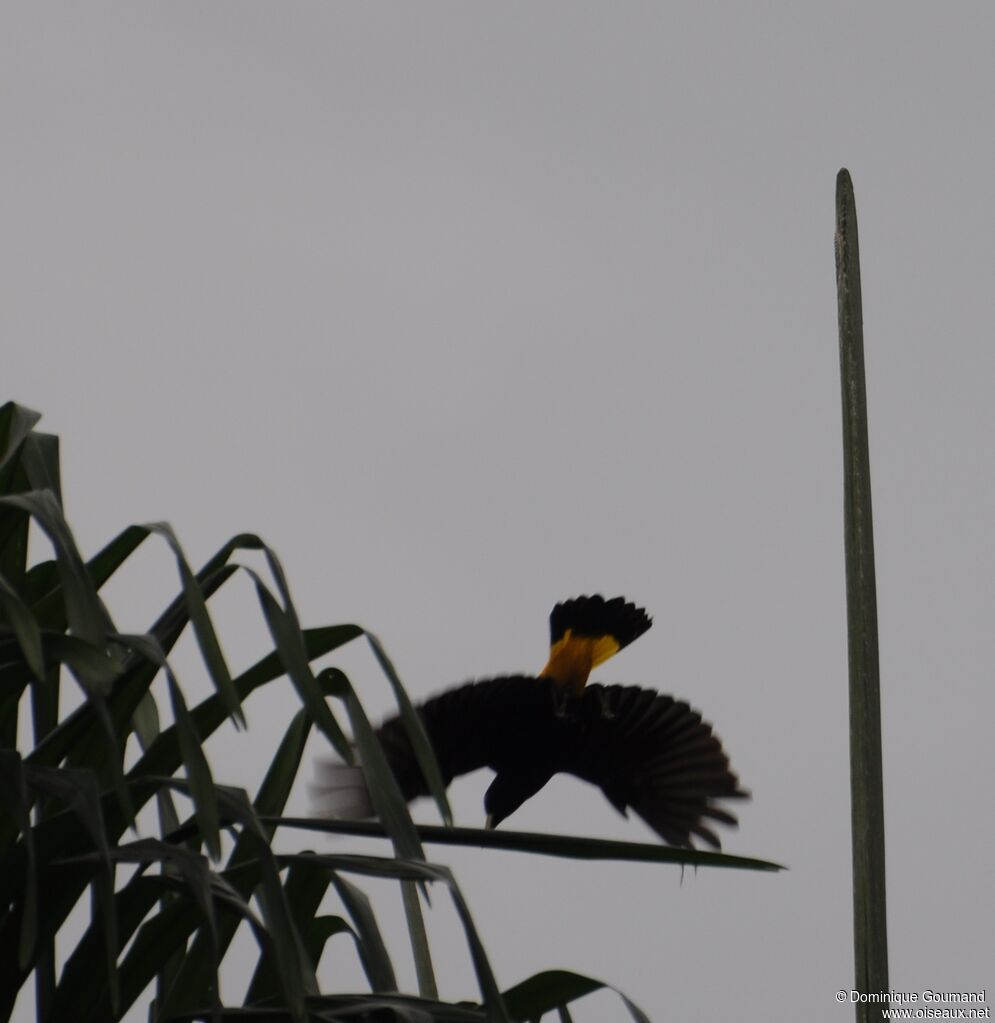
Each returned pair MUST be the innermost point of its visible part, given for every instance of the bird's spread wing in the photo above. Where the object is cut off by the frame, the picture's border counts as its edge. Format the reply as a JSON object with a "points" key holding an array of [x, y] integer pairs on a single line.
{"points": [[655, 754]]}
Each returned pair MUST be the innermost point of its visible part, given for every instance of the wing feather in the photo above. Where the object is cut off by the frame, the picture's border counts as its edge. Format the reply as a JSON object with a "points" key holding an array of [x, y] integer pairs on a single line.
{"points": [[655, 755]]}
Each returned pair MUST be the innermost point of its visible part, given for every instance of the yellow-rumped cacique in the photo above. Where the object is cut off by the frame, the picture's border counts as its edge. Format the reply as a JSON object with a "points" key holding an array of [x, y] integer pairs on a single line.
{"points": [[646, 751]]}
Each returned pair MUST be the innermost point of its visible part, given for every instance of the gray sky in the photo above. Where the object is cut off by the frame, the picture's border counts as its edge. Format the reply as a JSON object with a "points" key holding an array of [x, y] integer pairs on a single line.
{"points": [[467, 309]]}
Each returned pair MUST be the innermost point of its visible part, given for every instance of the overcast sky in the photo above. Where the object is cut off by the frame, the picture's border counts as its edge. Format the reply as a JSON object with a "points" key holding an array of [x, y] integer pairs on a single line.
{"points": [[469, 308]]}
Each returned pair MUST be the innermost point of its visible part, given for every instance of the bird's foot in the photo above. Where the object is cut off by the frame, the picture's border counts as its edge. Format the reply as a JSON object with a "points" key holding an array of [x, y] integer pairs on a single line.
{"points": [[606, 712], [561, 701]]}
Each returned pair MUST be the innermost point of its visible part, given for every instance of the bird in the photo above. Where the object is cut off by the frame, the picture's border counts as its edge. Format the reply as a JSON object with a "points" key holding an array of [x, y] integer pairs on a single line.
{"points": [[648, 752]]}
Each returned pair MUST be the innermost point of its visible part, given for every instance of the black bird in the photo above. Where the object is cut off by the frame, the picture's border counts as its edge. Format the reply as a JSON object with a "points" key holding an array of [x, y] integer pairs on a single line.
{"points": [[646, 751]]}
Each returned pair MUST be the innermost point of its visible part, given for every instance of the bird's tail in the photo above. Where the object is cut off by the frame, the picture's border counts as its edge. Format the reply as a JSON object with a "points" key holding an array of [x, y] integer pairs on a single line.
{"points": [[585, 632], [340, 792]]}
